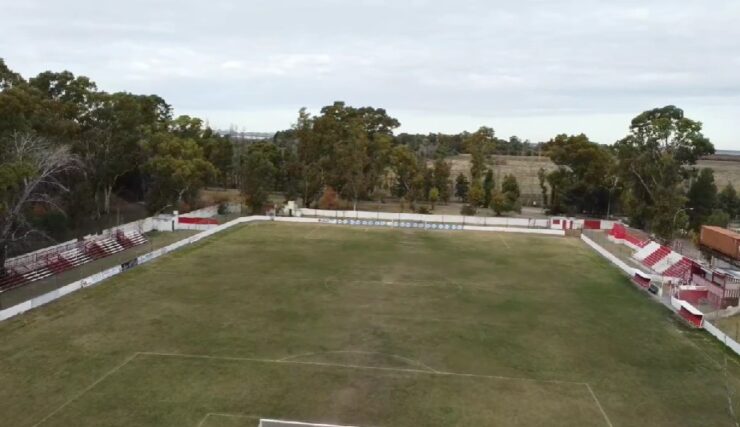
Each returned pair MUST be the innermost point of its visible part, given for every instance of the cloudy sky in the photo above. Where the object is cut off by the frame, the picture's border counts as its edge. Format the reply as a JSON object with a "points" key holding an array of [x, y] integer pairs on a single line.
{"points": [[533, 68]]}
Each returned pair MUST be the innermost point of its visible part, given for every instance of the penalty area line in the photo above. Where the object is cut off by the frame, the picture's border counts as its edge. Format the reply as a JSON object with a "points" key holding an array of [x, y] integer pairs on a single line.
{"points": [[394, 356], [503, 240], [88, 388], [318, 364], [359, 367], [598, 404]]}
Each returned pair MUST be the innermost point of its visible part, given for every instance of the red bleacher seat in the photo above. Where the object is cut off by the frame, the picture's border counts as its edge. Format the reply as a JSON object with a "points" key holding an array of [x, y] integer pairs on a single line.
{"points": [[110, 245], [136, 238], [123, 240], [57, 260], [58, 264], [94, 251], [620, 232], [11, 279], [635, 241], [679, 269], [656, 256], [36, 272]]}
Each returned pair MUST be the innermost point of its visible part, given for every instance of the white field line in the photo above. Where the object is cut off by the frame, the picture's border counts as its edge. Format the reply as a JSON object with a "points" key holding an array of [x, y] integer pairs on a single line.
{"points": [[88, 388], [395, 356], [434, 319], [310, 233], [407, 283], [701, 350], [495, 288], [303, 423], [221, 414], [253, 417], [500, 236], [359, 367], [598, 403], [319, 364]]}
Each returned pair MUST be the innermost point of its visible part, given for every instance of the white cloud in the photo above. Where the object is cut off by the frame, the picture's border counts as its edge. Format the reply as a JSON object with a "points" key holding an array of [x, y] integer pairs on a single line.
{"points": [[539, 63]]}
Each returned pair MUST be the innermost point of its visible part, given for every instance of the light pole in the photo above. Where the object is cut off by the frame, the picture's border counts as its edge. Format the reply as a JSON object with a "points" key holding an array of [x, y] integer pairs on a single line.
{"points": [[675, 216]]}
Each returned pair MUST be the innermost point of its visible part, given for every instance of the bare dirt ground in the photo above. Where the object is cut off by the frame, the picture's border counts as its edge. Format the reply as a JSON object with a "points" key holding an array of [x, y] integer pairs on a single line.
{"points": [[525, 169]]}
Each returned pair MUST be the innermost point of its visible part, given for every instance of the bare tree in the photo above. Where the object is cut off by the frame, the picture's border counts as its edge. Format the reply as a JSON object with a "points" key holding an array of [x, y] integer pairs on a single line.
{"points": [[30, 173]]}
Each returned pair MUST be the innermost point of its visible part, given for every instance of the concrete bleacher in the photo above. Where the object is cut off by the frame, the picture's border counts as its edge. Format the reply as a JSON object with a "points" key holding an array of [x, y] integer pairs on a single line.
{"points": [[667, 262], [135, 237], [59, 264], [646, 251], [76, 256], [651, 254], [55, 262], [11, 280], [656, 256], [679, 269], [130, 239], [110, 245], [37, 274], [95, 251], [663, 260]]}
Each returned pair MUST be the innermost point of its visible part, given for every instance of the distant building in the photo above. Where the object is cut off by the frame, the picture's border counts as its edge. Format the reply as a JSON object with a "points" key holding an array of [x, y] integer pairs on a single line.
{"points": [[236, 135]]}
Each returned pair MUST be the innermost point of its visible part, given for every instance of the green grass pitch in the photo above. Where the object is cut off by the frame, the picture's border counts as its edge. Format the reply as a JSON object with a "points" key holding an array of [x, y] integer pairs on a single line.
{"points": [[367, 327]]}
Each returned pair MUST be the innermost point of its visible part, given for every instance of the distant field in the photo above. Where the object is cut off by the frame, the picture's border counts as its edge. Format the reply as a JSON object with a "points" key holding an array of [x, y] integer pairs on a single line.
{"points": [[724, 171], [525, 169], [371, 327]]}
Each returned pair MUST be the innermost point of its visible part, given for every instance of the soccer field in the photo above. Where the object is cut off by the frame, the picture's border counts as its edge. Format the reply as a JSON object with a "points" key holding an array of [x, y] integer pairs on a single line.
{"points": [[366, 327]]}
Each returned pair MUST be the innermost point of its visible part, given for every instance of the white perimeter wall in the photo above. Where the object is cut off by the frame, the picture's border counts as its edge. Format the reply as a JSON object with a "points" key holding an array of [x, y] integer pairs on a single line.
{"points": [[206, 212], [449, 219], [444, 219], [729, 342], [197, 227]]}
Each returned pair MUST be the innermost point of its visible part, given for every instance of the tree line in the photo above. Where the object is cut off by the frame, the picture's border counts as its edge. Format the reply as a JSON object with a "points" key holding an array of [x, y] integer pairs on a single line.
{"points": [[69, 147], [650, 175]]}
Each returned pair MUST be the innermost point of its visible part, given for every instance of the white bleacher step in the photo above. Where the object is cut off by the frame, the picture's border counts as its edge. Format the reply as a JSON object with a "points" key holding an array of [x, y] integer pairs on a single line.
{"points": [[667, 262], [81, 258], [136, 238], [110, 246], [680, 269], [646, 251], [38, 274], [76, 257]]}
